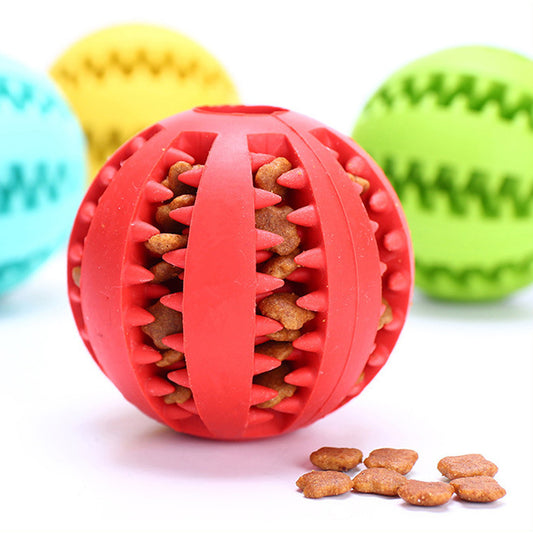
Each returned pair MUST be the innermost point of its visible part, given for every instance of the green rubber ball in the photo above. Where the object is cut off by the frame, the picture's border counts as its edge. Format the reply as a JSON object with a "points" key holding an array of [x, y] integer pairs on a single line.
{"points": [[453, 131]]}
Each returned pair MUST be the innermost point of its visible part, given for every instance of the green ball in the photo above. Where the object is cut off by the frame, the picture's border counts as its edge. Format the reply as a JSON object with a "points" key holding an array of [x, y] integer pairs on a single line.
{"points": [[453, 131]]}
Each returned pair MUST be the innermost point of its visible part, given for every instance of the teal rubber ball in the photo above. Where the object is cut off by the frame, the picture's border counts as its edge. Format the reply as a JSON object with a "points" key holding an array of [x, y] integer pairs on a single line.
{"points": [[42, 171]]}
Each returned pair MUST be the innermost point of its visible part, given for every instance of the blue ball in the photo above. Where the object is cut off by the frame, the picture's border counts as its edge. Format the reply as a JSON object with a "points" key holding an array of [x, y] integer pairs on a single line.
{"points": [[42, 171]]}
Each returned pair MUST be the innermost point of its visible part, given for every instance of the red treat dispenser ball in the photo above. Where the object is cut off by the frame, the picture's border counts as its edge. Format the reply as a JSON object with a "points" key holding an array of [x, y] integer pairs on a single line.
{"points": [[240, 272]]}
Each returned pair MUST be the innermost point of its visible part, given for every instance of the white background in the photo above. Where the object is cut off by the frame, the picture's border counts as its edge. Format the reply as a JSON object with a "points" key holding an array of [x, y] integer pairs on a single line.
{"points": [[76, 457]]}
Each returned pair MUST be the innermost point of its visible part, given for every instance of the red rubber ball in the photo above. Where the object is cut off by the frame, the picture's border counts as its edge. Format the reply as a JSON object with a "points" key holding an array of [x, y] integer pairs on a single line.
{"points": [[240, 272]]}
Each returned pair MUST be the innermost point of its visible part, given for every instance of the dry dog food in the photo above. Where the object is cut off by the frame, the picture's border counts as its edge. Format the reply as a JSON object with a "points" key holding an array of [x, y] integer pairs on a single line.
{"points": [[285, 335], [478, 489], [472, 464], [386, 316], [267, 175], [274, 379], [279, 350], [165, 242], [361, 181], [180, 395], [162, 216], [282, 307], [164, 271], [274, 219], [401, 460], [76, 275], [339, 459], [167, 322], [324, 483], [173, 182], [170, 357], [385, 476], [281, 266], [378, 481], [425, 493], [278, 262]]}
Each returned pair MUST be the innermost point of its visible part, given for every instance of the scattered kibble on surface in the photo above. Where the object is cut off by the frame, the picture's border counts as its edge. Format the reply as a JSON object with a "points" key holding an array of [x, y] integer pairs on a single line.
{"points": [[340, 459], [473, 464], [481, 489], [425, 493], [318, 484], [385, 476]]}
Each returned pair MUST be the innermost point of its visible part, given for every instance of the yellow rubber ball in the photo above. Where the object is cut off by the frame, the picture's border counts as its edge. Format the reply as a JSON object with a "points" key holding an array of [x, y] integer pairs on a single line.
{"points": [[121, 79]]}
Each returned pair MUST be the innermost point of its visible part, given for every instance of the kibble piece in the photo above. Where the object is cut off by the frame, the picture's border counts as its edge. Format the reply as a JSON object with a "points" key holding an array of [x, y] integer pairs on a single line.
{"points": [[281, 266], [169, 357], [164, 271], [361, 181], [401, 460], [76, 275], [339, 459], [180, 395], [425, 493], [285, 335], [163, 243], [324, 483], [173, 182], [378, 481], [279, 350], [282, 307], [473, 464], [275, 379], [386, 316], [167, 322], [481, 489], [162, 215], [267, 175], [274, 219]]}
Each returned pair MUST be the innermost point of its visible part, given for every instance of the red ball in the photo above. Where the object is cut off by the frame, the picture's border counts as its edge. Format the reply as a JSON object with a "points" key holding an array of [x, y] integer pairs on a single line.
{"points": [[180, 306]]}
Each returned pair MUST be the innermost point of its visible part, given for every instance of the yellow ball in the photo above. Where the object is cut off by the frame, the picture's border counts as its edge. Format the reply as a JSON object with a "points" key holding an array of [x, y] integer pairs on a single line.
{"points": [[124, 78]]}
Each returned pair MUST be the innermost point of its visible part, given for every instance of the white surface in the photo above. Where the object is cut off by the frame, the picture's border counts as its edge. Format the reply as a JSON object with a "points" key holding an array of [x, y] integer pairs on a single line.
{"points": [[76, 457]]}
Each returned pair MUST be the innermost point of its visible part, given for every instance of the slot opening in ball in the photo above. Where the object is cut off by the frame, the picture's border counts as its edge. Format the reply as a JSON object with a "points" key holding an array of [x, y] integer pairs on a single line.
{"points": [[241, 109]]}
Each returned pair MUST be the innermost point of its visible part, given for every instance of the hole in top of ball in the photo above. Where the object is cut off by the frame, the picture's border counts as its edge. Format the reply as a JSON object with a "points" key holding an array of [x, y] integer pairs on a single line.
{"points": [[242, 109]]}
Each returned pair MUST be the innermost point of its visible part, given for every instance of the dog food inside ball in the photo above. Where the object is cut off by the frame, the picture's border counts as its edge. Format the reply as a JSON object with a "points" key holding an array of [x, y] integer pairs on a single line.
{"points": [[166, 322], [274, 379], [280, 263], [318, 484], [166, 242], [180, 395], [282, 307], [274, 219], [339, 459], [281, 266], [279, 350], [267, 175]]}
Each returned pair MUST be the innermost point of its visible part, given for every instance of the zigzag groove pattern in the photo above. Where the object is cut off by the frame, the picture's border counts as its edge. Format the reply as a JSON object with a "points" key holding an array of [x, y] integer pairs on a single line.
{"points": [[114, 62], [459, 193], [446, 92], [463, 277], [18, 268], [32, 187], [103, 145], [25, 95]]}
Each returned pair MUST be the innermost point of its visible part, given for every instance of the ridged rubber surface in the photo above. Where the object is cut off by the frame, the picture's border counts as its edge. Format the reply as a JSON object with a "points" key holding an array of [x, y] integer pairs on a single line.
{"points": [[121, 79], [453, 132], [42, 171], [355, 250]]}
